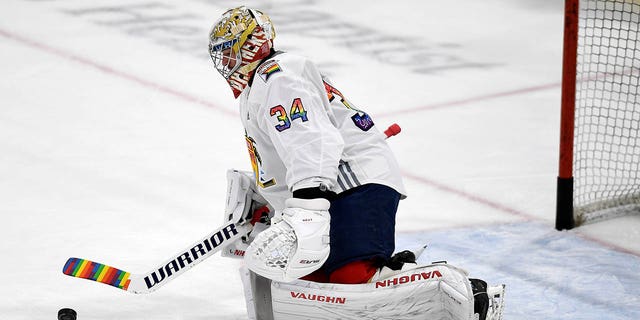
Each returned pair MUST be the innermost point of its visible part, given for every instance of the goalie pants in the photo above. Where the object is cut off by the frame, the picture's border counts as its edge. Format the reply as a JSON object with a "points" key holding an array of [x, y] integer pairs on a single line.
{"points": [[362, 227]]}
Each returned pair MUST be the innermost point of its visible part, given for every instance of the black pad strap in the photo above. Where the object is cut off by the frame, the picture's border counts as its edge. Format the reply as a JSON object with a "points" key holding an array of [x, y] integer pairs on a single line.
{"points": [[314, 193]]}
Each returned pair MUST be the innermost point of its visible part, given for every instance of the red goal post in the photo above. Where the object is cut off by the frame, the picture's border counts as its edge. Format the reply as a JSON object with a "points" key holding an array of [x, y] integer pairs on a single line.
{"points": [[599, 163]]}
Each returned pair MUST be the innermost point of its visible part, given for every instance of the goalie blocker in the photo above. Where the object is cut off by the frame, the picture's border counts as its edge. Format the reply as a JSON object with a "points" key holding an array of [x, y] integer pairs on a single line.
{"points": [[436, 291]]}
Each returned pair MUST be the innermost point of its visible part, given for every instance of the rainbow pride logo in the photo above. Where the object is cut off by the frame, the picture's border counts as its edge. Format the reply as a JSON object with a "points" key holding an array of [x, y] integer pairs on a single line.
{"points": [[268, 70]]}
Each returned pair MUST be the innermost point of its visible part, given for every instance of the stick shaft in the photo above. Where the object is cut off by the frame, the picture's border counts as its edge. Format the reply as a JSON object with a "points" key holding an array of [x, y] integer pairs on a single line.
{"points": [[163, 273]]}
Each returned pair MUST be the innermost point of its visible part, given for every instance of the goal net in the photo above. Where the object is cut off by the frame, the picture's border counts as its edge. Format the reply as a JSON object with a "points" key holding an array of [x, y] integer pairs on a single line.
{"points": [[604, 164]]}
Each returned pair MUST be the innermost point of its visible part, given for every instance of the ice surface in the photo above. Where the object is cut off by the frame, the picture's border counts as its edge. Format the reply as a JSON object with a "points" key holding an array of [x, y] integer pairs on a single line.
{"points": [[116, 132]]}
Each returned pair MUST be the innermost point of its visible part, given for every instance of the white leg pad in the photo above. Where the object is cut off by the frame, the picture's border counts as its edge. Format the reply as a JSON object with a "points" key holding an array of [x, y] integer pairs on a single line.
{"points": [[257, 295], [438, 291]]}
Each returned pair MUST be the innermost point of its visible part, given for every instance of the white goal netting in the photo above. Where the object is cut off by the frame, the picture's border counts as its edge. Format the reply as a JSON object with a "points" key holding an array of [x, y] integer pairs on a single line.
{"points": [[607, 115]]}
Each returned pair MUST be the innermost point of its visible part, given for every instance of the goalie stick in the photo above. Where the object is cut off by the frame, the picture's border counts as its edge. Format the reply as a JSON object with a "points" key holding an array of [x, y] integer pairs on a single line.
{"points": [[176, 265], [165, 272]]}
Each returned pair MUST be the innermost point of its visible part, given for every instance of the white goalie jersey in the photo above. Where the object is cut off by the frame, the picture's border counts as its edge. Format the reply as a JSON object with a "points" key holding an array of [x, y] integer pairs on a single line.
{"points": [[302, 132]]}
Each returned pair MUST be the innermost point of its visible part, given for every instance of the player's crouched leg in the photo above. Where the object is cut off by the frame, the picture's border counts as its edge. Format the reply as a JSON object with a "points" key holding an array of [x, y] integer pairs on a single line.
{"points": [[437, 291]]}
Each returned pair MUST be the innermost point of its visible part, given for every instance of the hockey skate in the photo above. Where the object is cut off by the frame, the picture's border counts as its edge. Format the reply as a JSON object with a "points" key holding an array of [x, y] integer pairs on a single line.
{"points": [[496, 302], [488, 301]]}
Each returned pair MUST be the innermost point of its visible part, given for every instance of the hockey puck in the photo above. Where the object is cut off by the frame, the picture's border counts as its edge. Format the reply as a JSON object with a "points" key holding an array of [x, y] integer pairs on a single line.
{"points": [[67, 314]]}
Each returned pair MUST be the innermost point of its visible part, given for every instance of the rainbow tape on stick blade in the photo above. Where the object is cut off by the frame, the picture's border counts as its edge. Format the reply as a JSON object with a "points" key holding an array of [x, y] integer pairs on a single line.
{"points": [[87, 269]]}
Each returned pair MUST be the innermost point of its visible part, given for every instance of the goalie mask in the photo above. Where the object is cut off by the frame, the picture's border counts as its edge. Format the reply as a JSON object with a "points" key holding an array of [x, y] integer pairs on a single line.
{"points": [[237, 44]]}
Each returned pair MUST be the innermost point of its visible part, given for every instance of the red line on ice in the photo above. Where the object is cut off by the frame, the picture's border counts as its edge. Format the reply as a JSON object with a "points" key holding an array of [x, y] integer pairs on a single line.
{"points": [[109, 70], [509, 210], [469, 196], [454, 103]]}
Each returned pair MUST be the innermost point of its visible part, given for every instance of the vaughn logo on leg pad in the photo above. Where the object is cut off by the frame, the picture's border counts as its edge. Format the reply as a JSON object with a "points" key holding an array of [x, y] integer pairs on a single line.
{"points": [[318, 297], [418, 276]]}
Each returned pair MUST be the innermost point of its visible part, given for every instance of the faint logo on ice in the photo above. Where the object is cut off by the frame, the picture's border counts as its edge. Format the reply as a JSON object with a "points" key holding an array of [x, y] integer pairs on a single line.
{"points": [[170, 25], [304, 18]]}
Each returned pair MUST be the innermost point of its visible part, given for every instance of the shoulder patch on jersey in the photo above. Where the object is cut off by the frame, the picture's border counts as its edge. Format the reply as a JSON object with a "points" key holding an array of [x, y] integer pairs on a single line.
{"points": [[268, 69]]}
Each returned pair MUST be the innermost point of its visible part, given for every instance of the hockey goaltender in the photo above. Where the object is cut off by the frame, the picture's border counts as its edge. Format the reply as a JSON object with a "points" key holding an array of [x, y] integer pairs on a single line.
{"points": [[322, 197]]}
